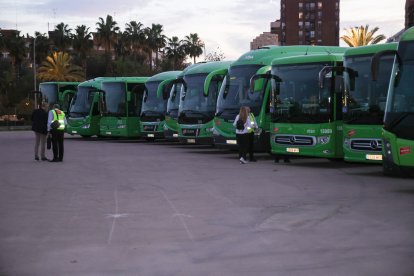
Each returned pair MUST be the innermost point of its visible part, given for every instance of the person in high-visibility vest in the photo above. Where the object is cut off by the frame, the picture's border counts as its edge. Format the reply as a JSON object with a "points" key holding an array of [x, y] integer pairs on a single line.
{"points": [[56, 124], [251, 129]]}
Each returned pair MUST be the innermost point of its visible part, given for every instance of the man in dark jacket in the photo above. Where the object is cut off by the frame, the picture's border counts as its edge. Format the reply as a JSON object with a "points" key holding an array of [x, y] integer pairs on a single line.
{"points": [[39, 126]]}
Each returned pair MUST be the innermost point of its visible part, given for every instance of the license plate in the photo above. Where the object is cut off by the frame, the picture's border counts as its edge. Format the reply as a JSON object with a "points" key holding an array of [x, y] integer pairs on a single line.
{"points": [[231, 142], [108, 132], [74, 131], [374, 157], [175, 135], [292, 150], [191, 141], [150, 135]]}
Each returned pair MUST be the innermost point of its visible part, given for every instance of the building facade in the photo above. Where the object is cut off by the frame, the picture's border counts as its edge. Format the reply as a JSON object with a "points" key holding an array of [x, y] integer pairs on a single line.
{"points": [[409, 13], [309, 22], [267, 38]]}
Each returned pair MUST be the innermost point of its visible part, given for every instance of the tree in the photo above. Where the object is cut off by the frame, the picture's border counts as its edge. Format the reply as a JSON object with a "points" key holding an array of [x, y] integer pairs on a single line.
{"points": [[58, 67], [16, 46], [194, 46], [175, 51], [107, 32], [156, 40], [82, 43], [62, 36], [135, 35], [360, 36], [42, 45], [217, 55]]}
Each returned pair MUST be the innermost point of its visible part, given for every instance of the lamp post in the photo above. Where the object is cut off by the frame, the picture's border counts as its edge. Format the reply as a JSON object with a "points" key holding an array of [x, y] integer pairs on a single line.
{"points": [[34, 69]]}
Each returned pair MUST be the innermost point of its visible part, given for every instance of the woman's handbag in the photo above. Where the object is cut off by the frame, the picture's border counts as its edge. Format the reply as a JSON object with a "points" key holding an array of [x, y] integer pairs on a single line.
{"points": [[49, 141]]}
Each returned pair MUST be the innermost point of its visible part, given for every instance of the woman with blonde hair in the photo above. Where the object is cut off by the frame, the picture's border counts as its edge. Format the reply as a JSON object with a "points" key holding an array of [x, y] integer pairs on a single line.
{"points": [[242, 124]]}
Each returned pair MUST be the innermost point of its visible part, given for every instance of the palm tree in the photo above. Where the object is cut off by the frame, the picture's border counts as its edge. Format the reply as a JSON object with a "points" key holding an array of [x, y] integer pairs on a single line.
{"points": [[57, 67], [194, 46], [156, 40], [107, 32], [61, 36], [82, 43], [175, 50], [16, 46], [360, 36], [135, 37]]}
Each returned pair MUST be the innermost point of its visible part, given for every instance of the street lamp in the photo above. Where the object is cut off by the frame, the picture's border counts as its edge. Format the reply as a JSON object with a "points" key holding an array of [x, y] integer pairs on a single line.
{"points": [[34, 69]]}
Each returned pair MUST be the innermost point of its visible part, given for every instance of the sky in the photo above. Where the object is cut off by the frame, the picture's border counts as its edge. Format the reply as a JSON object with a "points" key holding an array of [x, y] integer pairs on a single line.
{"points": [[227, 24]]}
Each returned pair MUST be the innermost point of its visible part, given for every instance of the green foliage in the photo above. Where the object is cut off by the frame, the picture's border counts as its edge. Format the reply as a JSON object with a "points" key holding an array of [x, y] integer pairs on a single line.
{"points": [[360, 36]]}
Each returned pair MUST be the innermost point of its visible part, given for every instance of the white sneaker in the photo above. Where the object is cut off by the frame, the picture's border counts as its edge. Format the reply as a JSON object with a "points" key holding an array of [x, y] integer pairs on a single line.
{"points": [[243, 161]]}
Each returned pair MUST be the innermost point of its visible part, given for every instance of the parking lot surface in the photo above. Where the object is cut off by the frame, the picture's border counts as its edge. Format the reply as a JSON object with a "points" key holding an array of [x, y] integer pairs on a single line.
{"points": [[130, 207]]}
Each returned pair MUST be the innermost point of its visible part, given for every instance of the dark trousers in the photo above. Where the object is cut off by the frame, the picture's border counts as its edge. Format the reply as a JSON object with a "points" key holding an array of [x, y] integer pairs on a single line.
{"points": [[251, 145], [243, 142], [57, 144]]}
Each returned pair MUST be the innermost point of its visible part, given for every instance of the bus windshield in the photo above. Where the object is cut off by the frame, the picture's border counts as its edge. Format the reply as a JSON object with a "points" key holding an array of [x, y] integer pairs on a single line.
{"points": [[114, 98], [234, 92], [366, 103], [153, 105], [49, 92], [298, 98], [193, 99], [81, 103], [399, 114], [174, 100]]}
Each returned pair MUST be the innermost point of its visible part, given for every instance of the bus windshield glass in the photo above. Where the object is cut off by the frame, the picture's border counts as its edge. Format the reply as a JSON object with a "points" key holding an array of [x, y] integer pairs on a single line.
{"points": [[114, 98], [153, 105], [193, 100], [174, 100], [49, 92], [399, 114], [81, 103], [365, 104], [234, 92], [298, 98]]}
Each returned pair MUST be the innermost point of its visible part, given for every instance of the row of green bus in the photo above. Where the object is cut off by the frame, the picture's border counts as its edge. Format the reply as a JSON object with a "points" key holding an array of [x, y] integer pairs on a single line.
{"points": [[318, 101]]}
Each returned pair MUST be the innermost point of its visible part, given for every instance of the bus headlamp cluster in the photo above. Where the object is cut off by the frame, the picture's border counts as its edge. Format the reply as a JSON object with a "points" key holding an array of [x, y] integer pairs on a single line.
{"points": [[87, 126], [347, 143], [323, 140], [387, 150]]}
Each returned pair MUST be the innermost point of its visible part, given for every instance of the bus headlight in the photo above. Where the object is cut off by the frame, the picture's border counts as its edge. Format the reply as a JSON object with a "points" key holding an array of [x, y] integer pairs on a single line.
{"points": [[347, 143], [86, 126], [323, 140], [121, 126]]}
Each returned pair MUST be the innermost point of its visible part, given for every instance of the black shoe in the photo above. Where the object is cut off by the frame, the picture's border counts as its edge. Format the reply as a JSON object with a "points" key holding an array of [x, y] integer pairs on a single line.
{"points": [[36, 158], [54, 160], [45, 159]]}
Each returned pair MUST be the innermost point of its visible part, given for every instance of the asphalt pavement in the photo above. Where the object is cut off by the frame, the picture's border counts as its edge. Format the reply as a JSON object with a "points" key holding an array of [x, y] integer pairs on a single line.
{"points": [[131, 207]]}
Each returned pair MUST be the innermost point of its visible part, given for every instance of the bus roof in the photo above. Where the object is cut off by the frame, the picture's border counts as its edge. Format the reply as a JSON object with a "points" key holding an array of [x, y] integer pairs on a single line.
{"points": [[127, 79], [207, 67], [408, 35], [301, 59], [370, 49], [265, 55], [164, 76], [60, 82]]}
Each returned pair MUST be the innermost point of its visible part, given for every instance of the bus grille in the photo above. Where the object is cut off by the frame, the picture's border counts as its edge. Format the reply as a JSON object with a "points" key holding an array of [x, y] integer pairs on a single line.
{"points": [[374, 145], [296, 140]]}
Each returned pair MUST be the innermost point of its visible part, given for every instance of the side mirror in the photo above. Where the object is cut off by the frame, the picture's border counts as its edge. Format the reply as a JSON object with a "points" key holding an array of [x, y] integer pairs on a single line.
{"points": [[162, 88], [129, 96], [211, 76]]}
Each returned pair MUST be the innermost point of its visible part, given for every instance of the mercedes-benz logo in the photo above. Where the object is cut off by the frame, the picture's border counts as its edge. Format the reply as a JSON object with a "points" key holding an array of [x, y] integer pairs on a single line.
{"points": [[374, 144], [292, 139]]}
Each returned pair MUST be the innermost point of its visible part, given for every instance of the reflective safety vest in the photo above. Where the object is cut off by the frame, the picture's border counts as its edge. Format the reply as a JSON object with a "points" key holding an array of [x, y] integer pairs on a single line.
{"points": [[60, 116], [252, 126]]}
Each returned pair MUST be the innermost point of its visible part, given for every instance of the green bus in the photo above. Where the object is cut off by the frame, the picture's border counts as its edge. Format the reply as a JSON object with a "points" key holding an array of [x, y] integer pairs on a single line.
{"points": [[171, 115], [364, 103], [398, 130], [85, 110], [234, 92], [198, 100], [306, 106], [57, 92], [154, 105], [122, 102]]}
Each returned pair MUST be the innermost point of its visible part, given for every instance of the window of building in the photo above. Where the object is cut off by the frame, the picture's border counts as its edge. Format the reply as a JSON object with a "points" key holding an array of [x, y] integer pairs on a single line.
{"points": [[312, 34], [319, 5], [300, 15], [319, 14], [319, 24], [300, 24], [300, 5], [300, 33]]}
